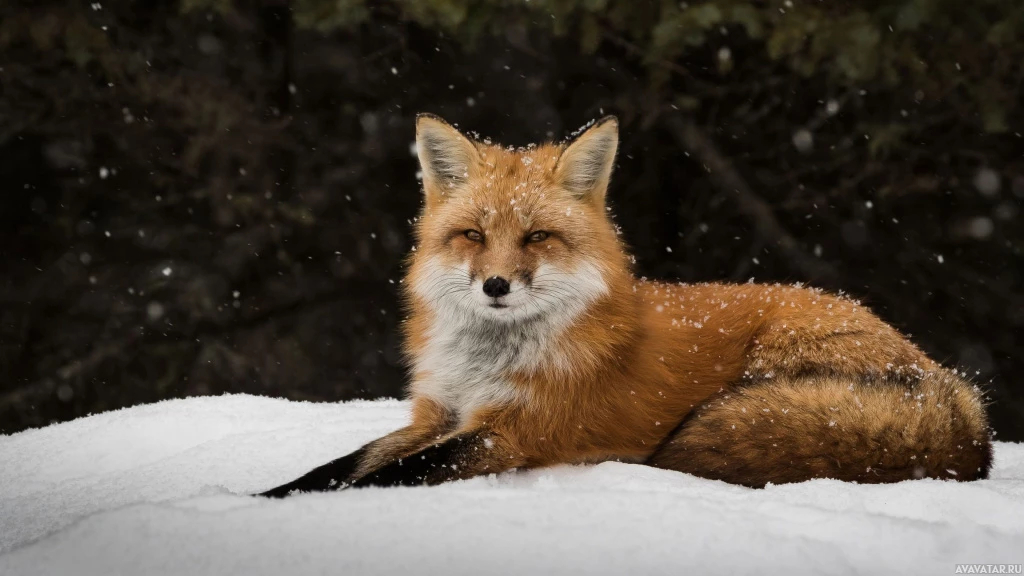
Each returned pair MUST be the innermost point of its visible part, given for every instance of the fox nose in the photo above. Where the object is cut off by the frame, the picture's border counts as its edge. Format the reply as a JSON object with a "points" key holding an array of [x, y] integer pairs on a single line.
{"points": [[496, 287]]}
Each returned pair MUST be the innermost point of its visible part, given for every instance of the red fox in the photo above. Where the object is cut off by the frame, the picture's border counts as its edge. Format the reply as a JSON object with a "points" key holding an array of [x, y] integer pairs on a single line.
{"points": [[531, 343]]}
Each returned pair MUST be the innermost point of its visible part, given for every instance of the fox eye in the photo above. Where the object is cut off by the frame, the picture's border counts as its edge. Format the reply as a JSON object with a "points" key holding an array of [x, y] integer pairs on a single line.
{"points": [[538, 236], [474, 235]]}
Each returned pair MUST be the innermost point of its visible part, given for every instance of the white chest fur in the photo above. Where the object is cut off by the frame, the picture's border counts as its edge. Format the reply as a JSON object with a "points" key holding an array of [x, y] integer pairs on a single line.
{"points": [[466, 364]]}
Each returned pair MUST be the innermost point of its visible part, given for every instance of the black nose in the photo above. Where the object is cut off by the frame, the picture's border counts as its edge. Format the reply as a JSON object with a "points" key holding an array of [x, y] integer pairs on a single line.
{"points": [[496, 287]]}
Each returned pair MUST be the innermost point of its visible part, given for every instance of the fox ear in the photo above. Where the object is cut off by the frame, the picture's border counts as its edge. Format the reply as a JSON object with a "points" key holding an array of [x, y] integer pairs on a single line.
{"points": [[585, 167], [447, 158]]}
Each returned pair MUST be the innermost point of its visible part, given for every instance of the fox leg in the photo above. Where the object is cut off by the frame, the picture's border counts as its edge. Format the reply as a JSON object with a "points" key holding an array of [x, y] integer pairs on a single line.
{"points": [[341, 472], [792, 429], [458, 457], [430, 422], [333, 475]]}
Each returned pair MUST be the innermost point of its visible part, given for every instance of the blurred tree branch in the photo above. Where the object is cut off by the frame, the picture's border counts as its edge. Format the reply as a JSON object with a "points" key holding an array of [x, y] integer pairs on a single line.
{"points": [[729, 181]]}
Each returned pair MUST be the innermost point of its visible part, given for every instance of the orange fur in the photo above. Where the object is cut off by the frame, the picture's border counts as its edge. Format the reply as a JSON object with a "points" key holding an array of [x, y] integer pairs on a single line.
{"points": [[622, 375], [583, 362]]}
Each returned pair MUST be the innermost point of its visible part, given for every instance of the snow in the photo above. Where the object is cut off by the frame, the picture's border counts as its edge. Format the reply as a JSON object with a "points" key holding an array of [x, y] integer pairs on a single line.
{"points": [[161, 489]]}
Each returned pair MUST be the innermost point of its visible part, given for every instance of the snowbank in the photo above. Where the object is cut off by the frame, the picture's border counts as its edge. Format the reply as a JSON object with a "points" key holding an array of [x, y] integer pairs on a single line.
{"points": [[159, 489]]}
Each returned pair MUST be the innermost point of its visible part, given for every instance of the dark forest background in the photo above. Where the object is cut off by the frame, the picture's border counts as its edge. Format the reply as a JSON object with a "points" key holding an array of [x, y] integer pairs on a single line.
{"points": [[209, 196]]}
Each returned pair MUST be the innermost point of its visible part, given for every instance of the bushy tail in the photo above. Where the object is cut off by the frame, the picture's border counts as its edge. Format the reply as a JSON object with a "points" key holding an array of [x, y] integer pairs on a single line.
{"points": [[790, 430]]}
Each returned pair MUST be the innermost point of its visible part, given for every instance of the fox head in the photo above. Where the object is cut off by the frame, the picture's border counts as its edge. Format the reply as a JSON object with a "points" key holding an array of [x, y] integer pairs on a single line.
{"points": [[509, 235]]}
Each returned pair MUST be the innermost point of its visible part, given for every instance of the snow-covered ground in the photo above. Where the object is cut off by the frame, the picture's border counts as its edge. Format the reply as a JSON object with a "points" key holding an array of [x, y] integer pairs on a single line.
{"points": [[160, 489]]}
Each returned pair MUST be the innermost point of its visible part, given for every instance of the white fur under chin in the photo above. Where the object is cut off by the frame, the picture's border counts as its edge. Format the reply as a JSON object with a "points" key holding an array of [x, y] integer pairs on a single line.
{"points": [[471, 348]]}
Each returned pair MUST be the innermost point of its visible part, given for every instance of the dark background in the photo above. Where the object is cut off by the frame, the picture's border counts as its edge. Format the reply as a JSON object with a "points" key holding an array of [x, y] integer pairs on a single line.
{"points": [[208, 196]]}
